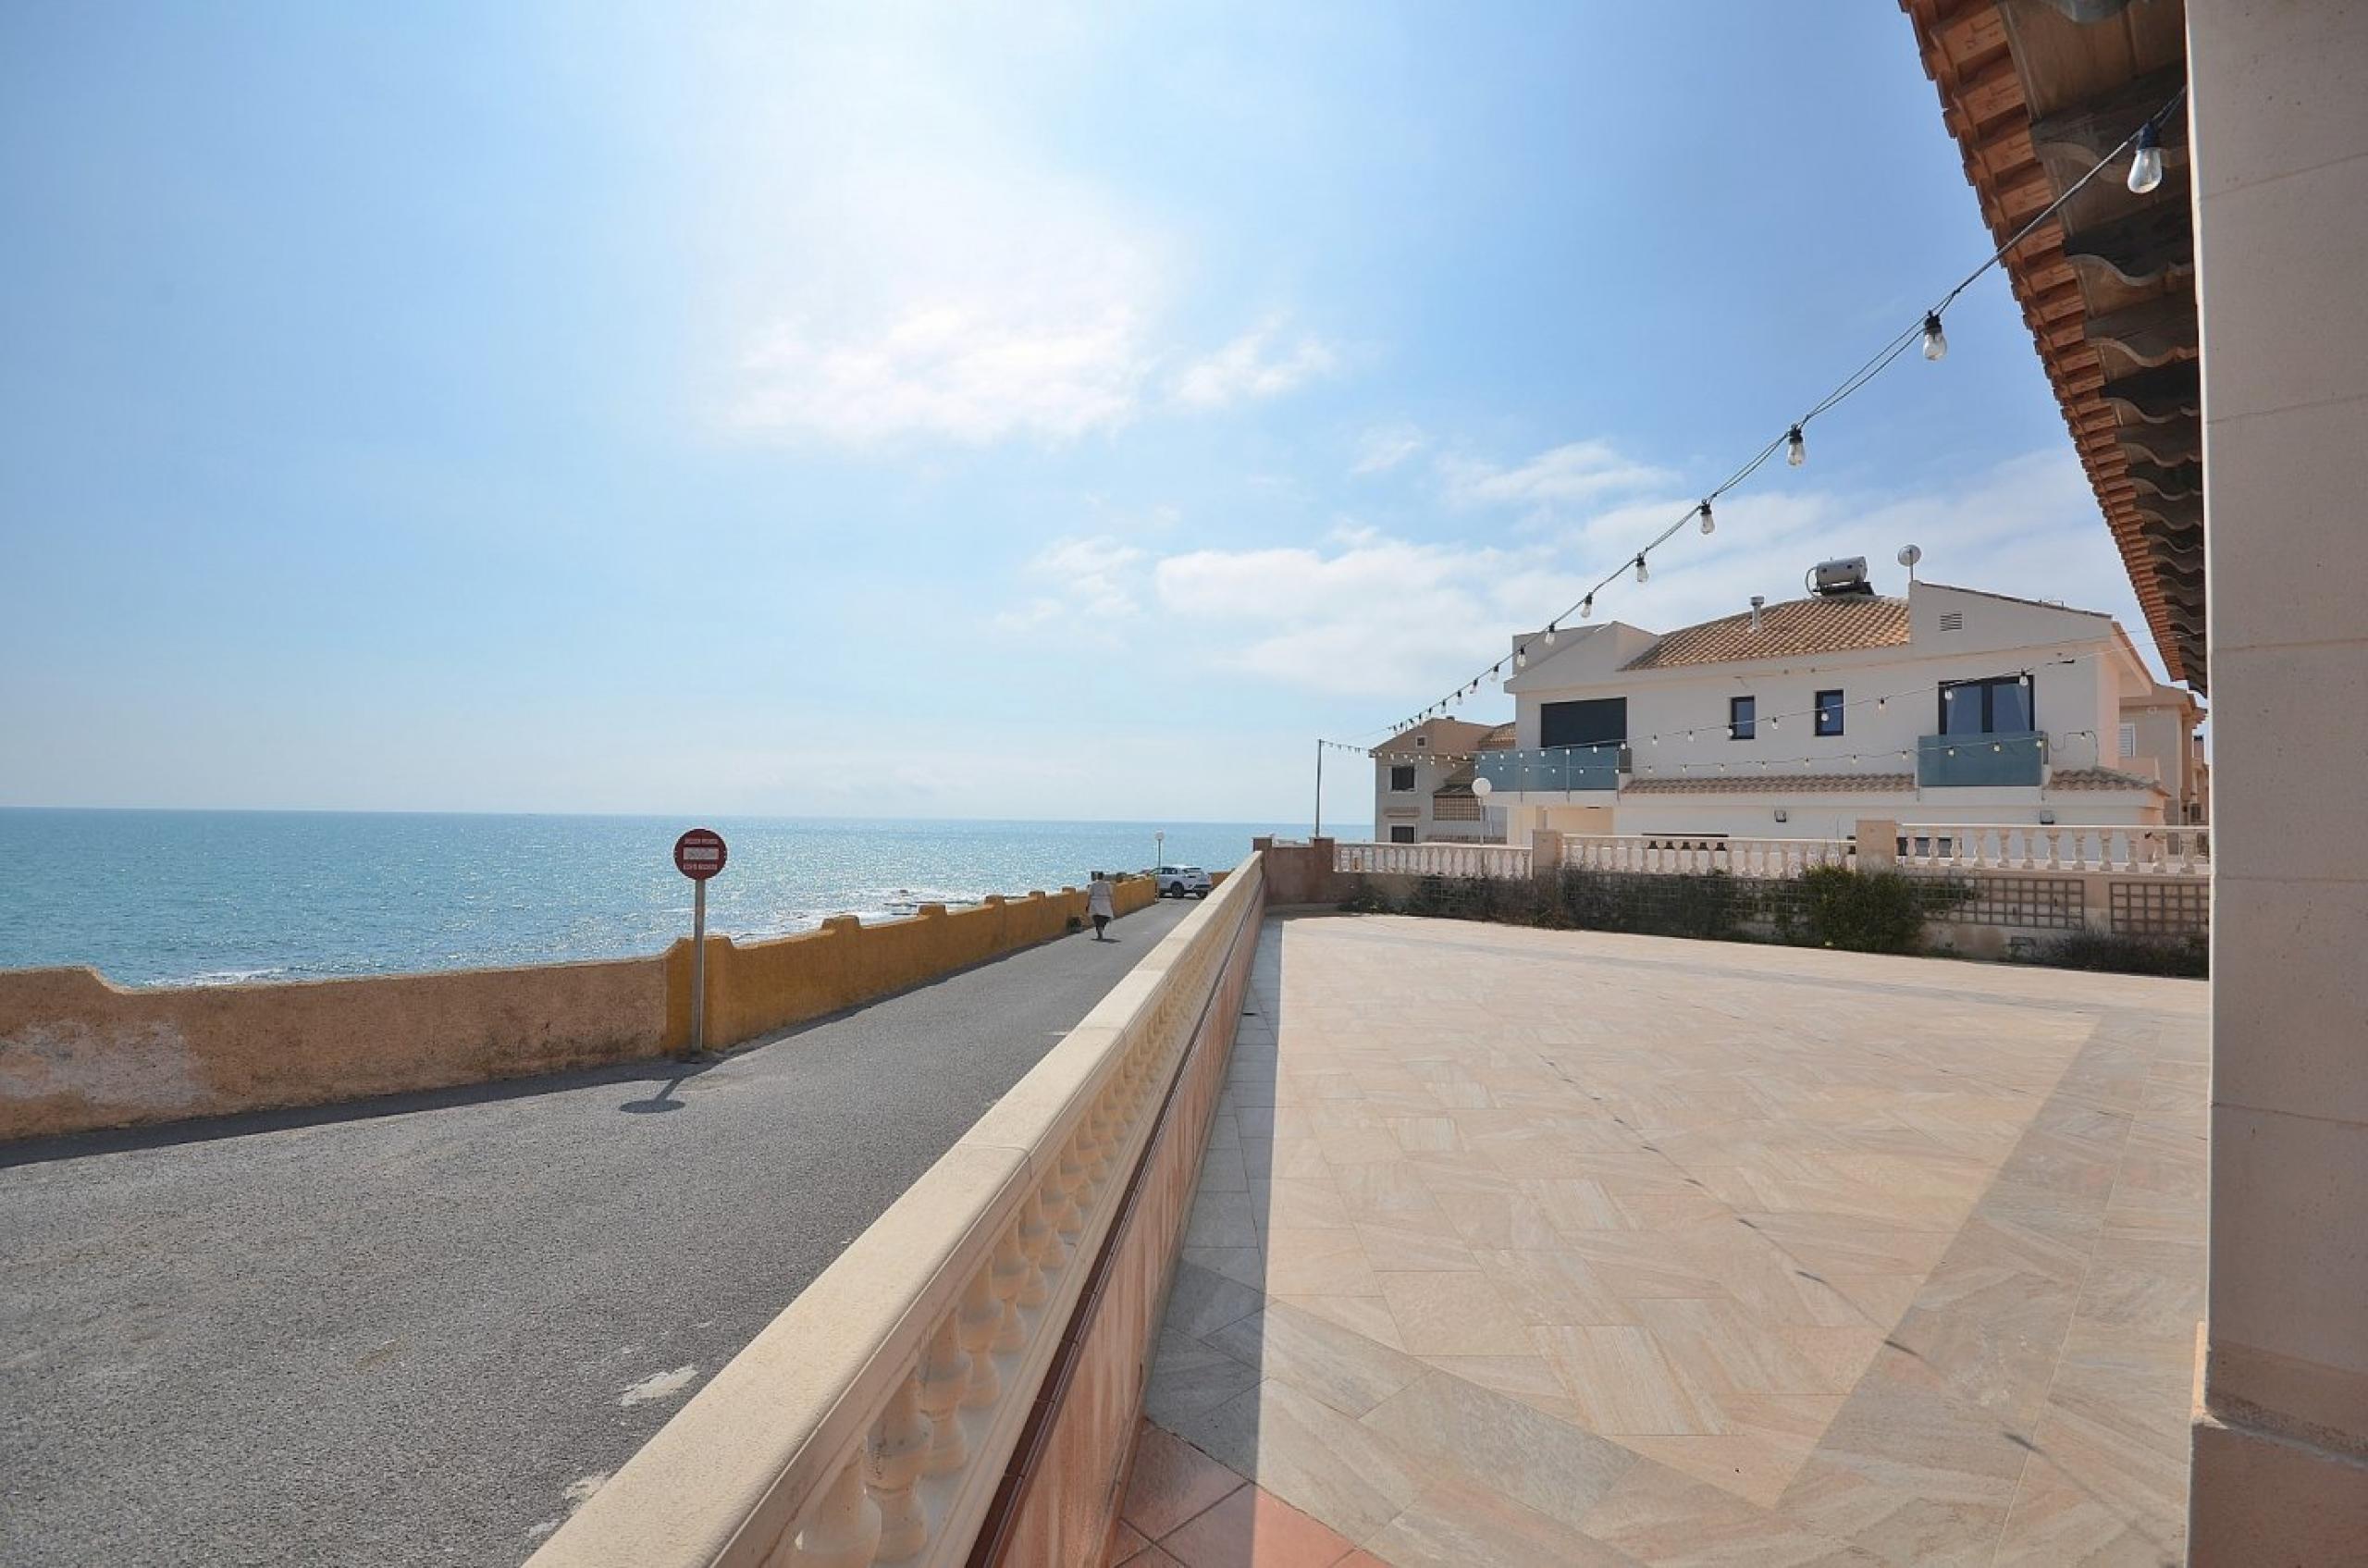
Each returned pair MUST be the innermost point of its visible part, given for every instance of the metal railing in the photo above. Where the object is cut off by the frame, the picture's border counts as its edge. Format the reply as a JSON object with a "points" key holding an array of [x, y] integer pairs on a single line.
{"points": [[1554, 770], [1977, 761], [1681, 853], [1959, 847], [1432, 859]]}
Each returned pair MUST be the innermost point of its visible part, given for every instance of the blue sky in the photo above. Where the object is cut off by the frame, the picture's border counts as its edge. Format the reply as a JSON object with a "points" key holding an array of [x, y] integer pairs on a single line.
{"points": [[904, 410]]}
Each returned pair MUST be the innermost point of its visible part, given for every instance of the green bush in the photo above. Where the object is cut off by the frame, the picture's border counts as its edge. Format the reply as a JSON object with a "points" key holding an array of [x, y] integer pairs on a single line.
{"points": [[2187, 958], [1867, 911]]}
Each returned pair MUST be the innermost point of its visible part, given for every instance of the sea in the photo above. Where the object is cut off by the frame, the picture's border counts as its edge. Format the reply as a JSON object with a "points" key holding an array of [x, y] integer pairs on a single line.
{"points": [[219, 898]]}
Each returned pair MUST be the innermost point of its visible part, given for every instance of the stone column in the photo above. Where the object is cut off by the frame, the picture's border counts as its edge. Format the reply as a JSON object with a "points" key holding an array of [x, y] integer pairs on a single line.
{"points": [[1878, 844], [2280, 136]]}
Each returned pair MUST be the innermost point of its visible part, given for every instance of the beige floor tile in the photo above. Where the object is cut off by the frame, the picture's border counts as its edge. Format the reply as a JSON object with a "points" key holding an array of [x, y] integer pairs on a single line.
{"points": [[1464, 1525], [1453, 1313], [1368, 1316], [1344, 1369], [1407, 1242], [1319, 1460], [1625, 1382], [1468, 1432]]}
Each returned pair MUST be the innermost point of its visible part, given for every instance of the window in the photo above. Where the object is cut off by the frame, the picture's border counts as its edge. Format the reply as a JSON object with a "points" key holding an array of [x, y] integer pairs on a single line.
{"points": [[1601, 721], [2130, 740], [1742, 715], [1828, 712], [1402, 779], [1401, 835], [2000, 705]]}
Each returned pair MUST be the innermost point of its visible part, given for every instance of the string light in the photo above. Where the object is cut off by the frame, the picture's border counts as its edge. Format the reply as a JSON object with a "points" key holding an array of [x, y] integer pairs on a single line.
{"points": [[2146, 141], [1550, 634], [2146, 164]]}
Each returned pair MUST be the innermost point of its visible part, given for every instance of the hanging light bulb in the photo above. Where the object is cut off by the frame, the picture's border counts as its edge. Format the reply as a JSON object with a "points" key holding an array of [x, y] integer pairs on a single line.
{"points": [[1796, 449], [1881, 703], [1936, 342], [1550, 634], [1586, 607], [1520, 658], [1710, 523], [1643, 572], [2146, 164]]}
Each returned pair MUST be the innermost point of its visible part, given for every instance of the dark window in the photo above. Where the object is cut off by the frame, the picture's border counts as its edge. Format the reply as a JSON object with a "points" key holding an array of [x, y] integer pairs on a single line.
{"points": [[1401, 779], [1828, 712], [2000, 705], [1742, 713], [1601, 721], [1401, 835]]}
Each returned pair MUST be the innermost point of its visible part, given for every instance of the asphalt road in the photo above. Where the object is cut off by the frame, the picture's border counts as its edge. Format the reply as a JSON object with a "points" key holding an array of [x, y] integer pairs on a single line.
{"points": [[414, 1335]]}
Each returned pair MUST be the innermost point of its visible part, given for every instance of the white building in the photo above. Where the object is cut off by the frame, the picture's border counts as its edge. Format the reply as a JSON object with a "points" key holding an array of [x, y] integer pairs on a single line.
{"points": [[1798, 720], [1422, 784]]}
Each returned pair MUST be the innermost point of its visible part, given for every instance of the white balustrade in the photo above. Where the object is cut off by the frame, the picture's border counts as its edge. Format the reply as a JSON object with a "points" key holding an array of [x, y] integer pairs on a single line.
{"points": [[1678, 852], [871, 1422], [1992, 847], [1436, 860]]}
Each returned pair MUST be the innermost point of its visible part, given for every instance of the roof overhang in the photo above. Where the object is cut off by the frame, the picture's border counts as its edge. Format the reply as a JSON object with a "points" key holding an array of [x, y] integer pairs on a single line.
{"points": [[2035, 92]]}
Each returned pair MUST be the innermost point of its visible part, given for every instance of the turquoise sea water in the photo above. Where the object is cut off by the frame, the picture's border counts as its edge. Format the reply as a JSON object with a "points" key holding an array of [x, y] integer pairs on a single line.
{"points": [[208, 898]]}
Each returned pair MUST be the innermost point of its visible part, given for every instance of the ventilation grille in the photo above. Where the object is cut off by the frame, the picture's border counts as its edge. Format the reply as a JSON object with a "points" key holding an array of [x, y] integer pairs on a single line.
{"points": [[1952, 620]]}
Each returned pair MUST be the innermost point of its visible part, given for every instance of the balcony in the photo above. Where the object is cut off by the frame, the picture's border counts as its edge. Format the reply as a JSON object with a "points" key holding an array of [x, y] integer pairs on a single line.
{"points": [[1556, 770], [2014, 760]]}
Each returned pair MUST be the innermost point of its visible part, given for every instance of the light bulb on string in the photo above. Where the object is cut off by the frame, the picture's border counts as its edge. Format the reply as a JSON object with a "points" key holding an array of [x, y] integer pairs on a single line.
{"points": [[1551, 630], [1643, 572], [2146, 163], [1936, 342], [1710, 523], [1520, 658], [1796, 449]]}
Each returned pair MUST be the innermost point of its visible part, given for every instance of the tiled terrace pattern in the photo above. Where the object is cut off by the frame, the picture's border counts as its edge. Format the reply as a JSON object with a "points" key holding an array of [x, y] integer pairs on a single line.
{"points": [[1520, 1247]]}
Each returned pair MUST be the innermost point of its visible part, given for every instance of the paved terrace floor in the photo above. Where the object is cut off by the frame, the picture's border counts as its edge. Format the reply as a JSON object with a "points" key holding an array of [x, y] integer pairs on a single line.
{"points": [[1561, 1250], [420, 1337]]}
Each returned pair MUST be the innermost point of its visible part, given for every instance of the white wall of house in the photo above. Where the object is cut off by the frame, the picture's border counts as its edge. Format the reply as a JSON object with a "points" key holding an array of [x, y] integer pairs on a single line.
{"points": [[2079, 664]]}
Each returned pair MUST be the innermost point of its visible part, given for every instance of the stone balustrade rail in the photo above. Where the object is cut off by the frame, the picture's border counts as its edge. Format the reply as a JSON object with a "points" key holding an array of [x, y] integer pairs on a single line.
{"points": [[1434, 860], [1681, 853], [1953, 847], [874, 1420]]}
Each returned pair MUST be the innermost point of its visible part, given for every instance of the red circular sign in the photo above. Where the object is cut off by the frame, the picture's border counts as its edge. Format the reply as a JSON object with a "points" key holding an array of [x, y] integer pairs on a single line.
{"points": [[698, 854]]}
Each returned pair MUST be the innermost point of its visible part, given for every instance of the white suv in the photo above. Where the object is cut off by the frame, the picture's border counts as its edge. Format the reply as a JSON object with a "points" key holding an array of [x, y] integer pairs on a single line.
{"points": [[1176, 882]]}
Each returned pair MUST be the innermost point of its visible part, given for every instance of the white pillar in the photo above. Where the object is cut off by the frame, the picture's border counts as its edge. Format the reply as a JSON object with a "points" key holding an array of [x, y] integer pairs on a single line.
{"points": [[2280, 135]]}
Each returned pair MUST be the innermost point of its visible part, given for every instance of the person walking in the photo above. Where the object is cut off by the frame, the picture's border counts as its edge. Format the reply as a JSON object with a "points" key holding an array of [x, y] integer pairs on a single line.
{"points": [[1099, 895]]}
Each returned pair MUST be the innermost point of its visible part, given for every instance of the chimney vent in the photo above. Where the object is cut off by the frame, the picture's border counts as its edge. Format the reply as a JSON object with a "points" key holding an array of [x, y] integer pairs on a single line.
{"points": [[1757, 600]]}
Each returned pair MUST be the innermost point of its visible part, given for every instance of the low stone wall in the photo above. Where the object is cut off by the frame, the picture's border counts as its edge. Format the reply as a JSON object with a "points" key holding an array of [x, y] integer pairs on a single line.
{"points": [[757, 987], [964, 1377], [78, 1052]]}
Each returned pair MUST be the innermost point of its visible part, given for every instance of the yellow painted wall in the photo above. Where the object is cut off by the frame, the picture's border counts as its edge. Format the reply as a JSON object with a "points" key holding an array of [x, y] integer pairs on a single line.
{"points": [[76, 1051], [762, 986], [79, 1052]]}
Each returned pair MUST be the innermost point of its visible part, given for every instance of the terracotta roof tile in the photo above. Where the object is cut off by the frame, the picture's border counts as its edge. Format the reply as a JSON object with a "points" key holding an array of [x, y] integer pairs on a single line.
{"points": [[1788, 630], [2097, 778], [1777, 784]]}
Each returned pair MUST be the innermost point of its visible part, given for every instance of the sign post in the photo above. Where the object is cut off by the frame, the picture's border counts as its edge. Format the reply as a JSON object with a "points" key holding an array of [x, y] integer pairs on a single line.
{"points": [[699, 855]]}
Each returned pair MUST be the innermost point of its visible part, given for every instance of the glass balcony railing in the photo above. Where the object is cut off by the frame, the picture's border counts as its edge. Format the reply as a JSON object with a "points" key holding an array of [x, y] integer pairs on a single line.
{"points": [[2004, 761], [1556, 770]]}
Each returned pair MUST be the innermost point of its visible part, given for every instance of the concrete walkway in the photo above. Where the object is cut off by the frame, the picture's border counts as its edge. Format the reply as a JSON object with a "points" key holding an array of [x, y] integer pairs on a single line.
{"points": [[1522, 1249], [419, 1336]]}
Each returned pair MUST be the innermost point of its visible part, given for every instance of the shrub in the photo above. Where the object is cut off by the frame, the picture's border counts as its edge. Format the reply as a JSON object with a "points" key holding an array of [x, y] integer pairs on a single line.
{"points": [[2185, 956], [1867, 911]]}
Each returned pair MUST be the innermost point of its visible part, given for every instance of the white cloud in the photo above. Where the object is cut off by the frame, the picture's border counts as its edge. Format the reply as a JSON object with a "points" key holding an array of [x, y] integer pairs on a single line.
{"points": [[894, 253], [1255, 366], [1576, 471], [1385, 446], [1090, 584], [1398, 620]]}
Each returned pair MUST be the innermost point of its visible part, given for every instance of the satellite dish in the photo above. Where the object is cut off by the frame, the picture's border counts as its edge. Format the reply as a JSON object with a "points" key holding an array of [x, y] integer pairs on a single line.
{"points": [[1909, 555]]}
